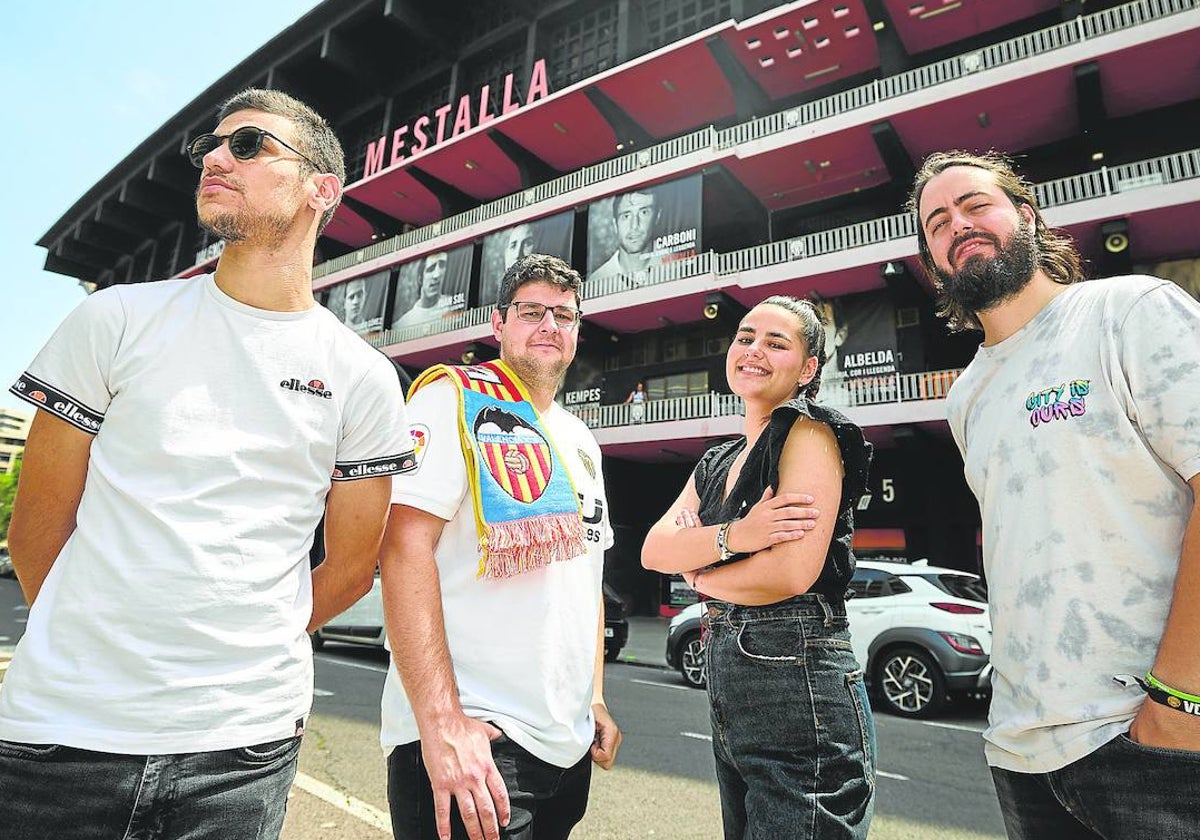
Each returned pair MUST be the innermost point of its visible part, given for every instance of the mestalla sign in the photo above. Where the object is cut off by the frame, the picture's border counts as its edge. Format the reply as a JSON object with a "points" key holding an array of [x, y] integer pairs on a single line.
{"points": [[427, 131]]}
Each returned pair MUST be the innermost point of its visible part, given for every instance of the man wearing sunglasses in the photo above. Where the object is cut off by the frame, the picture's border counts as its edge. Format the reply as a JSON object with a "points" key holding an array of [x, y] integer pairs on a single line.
{"points": [[493, 708], [191, 435]]}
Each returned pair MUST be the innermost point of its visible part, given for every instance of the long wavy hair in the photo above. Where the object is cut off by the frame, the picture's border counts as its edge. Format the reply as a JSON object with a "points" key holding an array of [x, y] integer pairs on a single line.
{"points": [[1056, 253]]}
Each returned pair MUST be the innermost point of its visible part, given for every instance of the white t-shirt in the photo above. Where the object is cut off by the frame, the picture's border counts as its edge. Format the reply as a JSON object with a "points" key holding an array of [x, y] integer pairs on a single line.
{"points": [[523, 648], [174, 618], [1078, 434]]}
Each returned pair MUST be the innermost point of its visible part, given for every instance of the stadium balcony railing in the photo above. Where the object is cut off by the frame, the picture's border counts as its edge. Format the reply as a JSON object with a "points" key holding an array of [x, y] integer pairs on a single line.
{"points": [[838, 392], [1106, 181], [1066, 34]]}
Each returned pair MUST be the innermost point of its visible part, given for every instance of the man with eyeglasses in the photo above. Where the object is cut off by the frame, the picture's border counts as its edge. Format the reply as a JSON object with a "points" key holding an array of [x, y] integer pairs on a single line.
{"points": [[493, 708], [191, 435]]}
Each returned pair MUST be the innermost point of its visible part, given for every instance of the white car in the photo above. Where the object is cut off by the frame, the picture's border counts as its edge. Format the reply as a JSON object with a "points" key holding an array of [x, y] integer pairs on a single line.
{"points": [[921, 633], [361, 624]]}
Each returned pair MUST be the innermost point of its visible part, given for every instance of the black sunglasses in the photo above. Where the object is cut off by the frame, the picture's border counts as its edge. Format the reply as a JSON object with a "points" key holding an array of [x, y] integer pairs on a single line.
{"points": [[244, 144]]}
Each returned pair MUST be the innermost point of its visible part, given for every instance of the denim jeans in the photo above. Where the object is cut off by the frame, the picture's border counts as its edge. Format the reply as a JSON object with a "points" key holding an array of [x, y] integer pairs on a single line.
{"points": [[546, 800], [53, 791], [792, 730], [1122, 791]]}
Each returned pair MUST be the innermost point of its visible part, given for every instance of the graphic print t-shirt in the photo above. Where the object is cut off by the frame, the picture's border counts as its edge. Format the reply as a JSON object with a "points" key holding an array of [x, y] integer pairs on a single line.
{"points": [[1079, 433]]}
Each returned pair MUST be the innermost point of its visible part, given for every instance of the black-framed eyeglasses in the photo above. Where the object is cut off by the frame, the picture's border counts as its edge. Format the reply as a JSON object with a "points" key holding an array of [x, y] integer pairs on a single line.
{"points": [[530, 312], [244, 144]]}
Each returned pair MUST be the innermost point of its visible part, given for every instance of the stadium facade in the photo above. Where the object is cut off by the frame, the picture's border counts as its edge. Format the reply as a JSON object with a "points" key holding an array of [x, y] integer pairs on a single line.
{"points": [[691, 157]]}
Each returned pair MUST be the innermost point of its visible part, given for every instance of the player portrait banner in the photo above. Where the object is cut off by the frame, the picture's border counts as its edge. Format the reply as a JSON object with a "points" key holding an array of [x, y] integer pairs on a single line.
{"points": [[358, 303], [550, 235], [433, 286], [645, 228], [861, 337]]}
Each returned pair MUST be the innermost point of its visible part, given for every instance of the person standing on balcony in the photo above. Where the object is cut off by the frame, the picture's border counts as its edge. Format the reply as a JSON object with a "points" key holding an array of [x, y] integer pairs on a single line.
{"points": [[1077, 425], [191, 434], [793, 737], [493, 707], [637, 403], [636, 216]]}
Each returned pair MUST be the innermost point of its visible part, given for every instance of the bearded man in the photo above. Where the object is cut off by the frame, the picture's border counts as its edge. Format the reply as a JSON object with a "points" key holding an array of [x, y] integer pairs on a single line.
{"points": [[1077, 425]]}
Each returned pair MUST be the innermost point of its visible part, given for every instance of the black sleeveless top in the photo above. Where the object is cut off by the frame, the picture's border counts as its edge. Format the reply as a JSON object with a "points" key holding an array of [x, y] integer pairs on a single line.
{"points": [[761, 470]]}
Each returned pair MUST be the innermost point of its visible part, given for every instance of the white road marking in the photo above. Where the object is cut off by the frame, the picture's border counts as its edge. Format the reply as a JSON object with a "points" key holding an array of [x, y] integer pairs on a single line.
{"points": [[699, 736], [661, 684], [960, 727], [356, 808], [320, 692], [21, 608], [379, 669]]}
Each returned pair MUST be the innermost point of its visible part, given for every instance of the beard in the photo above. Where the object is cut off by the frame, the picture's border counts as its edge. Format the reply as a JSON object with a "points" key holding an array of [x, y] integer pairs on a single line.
{"points": [[982, 282], [242, 225], [537, 373]]}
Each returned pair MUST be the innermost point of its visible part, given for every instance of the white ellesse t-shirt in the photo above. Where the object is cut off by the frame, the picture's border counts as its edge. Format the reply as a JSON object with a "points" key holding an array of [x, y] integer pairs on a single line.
{"points": [[524, 648], [1078, 434], [174, 618]]}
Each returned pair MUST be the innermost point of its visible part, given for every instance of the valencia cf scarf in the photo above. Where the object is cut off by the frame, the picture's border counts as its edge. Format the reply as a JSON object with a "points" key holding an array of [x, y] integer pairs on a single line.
{"points": [[526, 510]]}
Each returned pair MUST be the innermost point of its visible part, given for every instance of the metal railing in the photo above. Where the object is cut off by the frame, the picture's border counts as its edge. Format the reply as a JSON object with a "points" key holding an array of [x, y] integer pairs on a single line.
{"points": [[838, 392], [1015, 49], [842, 392], [1160, 171], [691, 267]]}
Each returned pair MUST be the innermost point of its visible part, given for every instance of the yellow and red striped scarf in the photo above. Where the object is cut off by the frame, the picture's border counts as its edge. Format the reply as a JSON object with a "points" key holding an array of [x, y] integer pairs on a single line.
{"points": [[527, 512]]}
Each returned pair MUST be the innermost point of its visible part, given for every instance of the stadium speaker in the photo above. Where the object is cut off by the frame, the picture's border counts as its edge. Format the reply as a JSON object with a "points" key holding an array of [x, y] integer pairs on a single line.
{"points": [[720, 305], [468, 357], [1115, 235]]}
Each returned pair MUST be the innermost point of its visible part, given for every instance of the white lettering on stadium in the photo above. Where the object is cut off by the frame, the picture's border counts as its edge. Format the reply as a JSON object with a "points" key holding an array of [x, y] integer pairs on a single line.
{"points": [[683, 237], [587, 395], [874, 357]]}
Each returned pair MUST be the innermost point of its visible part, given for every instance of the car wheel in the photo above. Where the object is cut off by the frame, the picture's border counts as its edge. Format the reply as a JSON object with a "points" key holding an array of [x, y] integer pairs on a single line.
{"points": [[691, 660], [317, 641], [909, 683], [611, 652]]}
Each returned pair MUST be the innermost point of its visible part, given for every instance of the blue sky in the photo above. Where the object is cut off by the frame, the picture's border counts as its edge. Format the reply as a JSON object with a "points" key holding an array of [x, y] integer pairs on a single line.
{"points": [[83, 82]]}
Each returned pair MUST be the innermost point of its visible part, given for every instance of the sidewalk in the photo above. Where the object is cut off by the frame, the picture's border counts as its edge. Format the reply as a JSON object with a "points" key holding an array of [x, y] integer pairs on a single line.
{"points": [[647, 643]]}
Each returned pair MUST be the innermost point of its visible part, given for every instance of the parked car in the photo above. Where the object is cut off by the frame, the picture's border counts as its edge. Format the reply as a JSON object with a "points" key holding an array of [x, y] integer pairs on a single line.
{"points": [[6, 566], [362, 623], [921, 632]]}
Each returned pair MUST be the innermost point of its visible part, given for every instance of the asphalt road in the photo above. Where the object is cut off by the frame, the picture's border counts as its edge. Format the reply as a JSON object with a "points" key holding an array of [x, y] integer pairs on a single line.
{"points": [[933, 783]]}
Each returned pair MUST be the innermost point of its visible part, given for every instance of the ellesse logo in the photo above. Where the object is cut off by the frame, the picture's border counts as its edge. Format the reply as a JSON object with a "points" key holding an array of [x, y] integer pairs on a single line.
{"points": [[40, 396], [315, 387]]}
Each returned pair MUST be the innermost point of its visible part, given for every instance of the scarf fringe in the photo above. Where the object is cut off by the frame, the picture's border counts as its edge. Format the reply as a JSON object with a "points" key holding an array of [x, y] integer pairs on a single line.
{"points": [[522, 545]]}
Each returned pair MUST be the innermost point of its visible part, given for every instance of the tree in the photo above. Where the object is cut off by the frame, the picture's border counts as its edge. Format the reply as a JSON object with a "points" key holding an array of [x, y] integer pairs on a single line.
{"points": [[8, 492]]}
